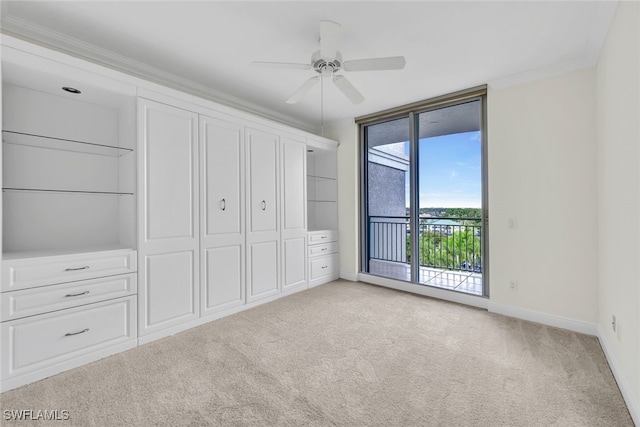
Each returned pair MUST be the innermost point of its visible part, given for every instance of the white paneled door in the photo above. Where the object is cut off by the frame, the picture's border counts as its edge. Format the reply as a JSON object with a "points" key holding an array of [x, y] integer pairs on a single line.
{"points": [[294, 214], [168, 212], [263, 234], [222, 214]]}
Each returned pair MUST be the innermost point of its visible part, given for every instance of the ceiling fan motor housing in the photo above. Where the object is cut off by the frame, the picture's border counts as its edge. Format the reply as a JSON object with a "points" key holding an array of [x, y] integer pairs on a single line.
{"points": [[324, 67]]}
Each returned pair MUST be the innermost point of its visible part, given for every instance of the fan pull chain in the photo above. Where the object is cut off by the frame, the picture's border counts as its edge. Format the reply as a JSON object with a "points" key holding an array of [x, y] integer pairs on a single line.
{"points": [[321, 105]]}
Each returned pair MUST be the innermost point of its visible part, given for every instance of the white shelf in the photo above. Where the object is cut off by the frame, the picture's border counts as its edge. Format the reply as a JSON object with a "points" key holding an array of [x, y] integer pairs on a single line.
{"points": [[40, 141], [41, 190], [321, 177], [9, 256]]}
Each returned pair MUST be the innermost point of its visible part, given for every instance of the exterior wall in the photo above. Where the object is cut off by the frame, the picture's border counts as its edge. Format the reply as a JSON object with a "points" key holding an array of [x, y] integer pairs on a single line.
{"points": [[618, 89], [386, 198], [386, 191]]}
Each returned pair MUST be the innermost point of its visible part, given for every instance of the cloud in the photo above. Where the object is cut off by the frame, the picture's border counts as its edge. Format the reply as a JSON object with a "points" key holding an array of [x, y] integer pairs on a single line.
{"points": [[474, 136]]}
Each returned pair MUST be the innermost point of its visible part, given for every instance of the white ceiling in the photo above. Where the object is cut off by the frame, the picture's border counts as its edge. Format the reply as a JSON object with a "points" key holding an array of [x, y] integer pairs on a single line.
{"points": [[206, 47]]}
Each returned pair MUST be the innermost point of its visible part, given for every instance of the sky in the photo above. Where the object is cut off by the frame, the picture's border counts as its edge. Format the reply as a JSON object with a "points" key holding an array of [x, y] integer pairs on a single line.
{"points": [[450, 171]]}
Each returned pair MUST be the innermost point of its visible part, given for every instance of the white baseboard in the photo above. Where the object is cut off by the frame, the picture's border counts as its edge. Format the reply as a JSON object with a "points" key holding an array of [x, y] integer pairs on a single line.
{"points": [[623, 384], [428, 291], [210, 317], [30, 377], [352, 277], [544, 318]]}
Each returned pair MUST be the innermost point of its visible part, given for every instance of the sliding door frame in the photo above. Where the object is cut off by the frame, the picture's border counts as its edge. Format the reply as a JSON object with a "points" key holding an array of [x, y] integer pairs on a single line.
{"points": [[411, 111]]}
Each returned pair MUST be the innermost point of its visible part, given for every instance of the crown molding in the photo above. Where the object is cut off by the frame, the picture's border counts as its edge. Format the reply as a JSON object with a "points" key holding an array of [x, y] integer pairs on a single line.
{"points": [[33, 33], [606, 12], [551, 70], [340, 124], [603, 19]]}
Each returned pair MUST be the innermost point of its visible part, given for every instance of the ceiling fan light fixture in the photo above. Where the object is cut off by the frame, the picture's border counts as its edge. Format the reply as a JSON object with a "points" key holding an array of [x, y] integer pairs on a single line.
{"points": [[327, 62], [329, 37]]}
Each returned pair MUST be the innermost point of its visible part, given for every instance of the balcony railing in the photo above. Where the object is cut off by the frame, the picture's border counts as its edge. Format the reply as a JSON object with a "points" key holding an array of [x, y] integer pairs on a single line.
{"points": [[447, 243]]}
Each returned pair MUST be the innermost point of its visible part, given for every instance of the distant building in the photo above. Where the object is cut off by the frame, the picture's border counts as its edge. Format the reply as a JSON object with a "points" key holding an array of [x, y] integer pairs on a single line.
{"points": [[444, 226], [387, 169]]}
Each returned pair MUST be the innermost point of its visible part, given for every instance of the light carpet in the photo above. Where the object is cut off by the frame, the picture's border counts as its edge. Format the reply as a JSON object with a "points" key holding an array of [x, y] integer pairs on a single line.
{"points": [[345, 354]]}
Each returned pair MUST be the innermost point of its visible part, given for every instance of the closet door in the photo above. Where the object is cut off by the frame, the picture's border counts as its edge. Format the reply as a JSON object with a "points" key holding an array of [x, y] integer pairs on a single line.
{"points": [[263, 234], [222, 214], [168, 212], [294, 216]]}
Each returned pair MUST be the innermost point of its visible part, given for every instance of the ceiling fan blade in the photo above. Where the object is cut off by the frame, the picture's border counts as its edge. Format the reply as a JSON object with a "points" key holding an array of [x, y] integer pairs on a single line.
{"points": [[348, 89], [283, 65], [375, 64], [302, 91], [329, 38]]}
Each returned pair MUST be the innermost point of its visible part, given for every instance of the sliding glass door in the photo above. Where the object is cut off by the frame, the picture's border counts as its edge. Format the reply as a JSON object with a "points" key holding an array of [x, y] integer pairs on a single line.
{"points": [[424, 197], [449, 165], [388, 198]]}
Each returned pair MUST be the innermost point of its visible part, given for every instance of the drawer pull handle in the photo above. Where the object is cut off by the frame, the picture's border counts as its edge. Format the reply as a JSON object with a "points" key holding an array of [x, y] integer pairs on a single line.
{"points": [[324, 267], [323, 249], [323, 237], [223, 204], [76, 269], [76, 295], [70, 334], [264, 205]]}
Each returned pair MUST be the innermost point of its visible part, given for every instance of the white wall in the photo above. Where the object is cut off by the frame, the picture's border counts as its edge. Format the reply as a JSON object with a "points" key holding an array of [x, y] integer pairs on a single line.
{"points": [[542, 173], [347, 134], [618, 148]]}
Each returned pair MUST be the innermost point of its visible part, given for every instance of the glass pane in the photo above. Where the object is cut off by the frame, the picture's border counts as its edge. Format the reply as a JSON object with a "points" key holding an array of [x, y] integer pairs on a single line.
{"points": [[388, 201], [450, 197]]}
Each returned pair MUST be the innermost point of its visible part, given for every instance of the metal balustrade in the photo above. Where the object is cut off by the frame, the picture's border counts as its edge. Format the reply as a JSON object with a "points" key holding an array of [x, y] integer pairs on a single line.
{"points": [[447, 243]]}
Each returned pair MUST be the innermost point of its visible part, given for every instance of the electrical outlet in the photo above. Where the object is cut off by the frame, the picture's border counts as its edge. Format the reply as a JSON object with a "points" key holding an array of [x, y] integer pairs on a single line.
{"points": [[513, 285], [613, 323]]}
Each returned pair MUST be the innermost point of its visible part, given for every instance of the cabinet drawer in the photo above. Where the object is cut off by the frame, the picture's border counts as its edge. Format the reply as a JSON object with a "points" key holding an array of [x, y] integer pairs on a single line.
{"points": [[323, 249], [37, 342], [324, 266], [323, 236], [30, 302], [32, 272]]}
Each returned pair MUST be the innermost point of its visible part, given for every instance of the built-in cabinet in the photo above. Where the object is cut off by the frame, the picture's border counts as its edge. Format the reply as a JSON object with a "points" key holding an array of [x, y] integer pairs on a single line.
{"points": [[222, 212], [131, 212], [263, 228], [68, 292], [293, 163], [169, 238]]}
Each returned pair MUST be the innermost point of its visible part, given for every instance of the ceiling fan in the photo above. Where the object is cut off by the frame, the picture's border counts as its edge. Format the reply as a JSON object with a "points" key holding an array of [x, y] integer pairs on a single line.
{"points": [[328, 61]]}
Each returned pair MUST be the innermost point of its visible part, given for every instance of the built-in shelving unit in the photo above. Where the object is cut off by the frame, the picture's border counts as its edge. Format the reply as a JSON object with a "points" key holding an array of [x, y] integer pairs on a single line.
{"points": [[68, 277], [322, 213], [42, 141], [68, 180], [322, 189]]}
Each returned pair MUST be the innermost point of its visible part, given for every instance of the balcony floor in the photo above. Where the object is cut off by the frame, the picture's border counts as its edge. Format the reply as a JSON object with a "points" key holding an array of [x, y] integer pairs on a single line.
{"points": [[462, 281]]}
